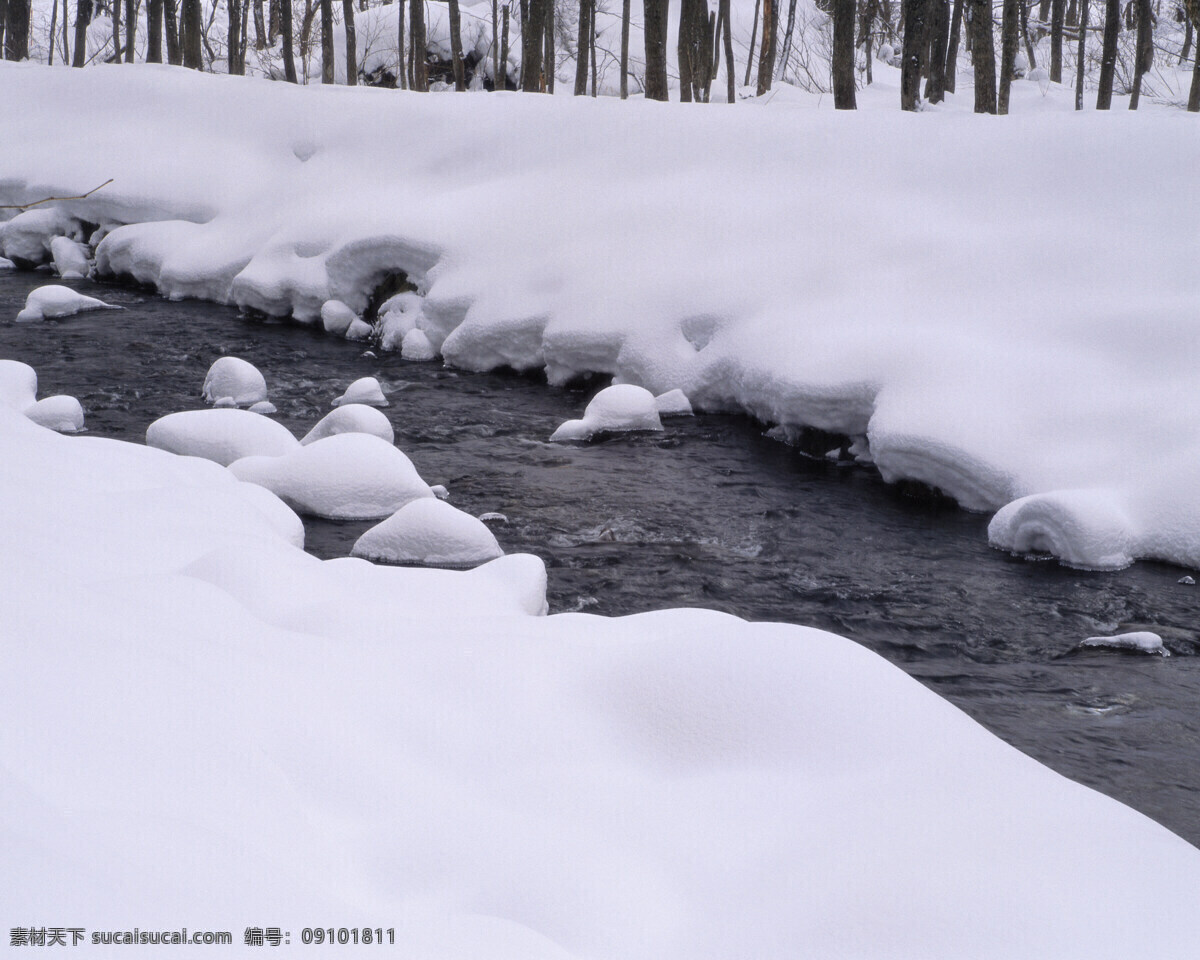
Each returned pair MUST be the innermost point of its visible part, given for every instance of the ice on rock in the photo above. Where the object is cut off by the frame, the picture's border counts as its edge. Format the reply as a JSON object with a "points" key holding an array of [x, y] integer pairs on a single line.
{"points": [[349, 476], [364, 390], [1187, 581], [429, 532], [493, 517], [416, 346], [70, 258], [336, 317], [235, 378], [1139, 641], [6, 264], [440, 491], [1087, 529], [264, 407], [60, 413], [54, 300], [220, 435], [351, 418], [18, 384], [620, 408], [673, 403], [358, 330]]}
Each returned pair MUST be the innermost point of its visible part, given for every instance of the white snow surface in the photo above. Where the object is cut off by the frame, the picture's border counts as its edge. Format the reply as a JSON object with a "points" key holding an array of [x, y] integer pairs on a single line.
{"points": [[351, 418], [673, 403], [18, 384], [336, 317], [221, 435], [1142, 641], [54, 300], [429, 532], [416, 346], [347, 476], [70, 258], [234, 379], [620, 408], [364, 390], [60, 412], [230, 728], [1088, 529], [983, 334]]}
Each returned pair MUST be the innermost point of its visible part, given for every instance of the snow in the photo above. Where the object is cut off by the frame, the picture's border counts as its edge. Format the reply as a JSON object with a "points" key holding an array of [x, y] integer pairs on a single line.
{"points": [[54, 300], [365, 390], [1142, 641], [416, 346], [429, 532], [336, 317], [1083, 528], [359, 330], [673, 403], [351, 418], [348, 476], [28, 235], [18, 384], [620, 408], [70, 258], [234, 379], [265, 407], [6, 264], [238, 730], [221, 435], [60, 412]]}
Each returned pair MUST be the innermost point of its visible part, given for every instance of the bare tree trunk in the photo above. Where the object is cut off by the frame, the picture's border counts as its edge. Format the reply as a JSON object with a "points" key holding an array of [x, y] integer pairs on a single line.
{"points": [[939, 29], [1008, 53], [401, 73], [581, 73], [655, 17], [915, 40], [730, 87], [1108, 55], [766, 64], [261, 40], [504, 48], [956, 22], [116, 29], [352, 42], [1023, 11], [495, 45], [753, 35], [416, 19], [154, 31], [1081, 62], [787, 35], [460, 73], [53, 28], [1187, 41], [983, 54], [193, 31], [83, 16], [1145, 49], [1194, 96], [549, 50], [625, 49], [1057, 11], [843, 55], [592, 44], [328, 76], [683, 51], [131, 18], [234, 40], [272, 21], [533, 26], [288, 41]]}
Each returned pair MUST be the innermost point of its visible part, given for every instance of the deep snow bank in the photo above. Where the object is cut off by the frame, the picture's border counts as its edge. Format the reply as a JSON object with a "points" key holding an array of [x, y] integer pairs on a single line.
{"points": [[227, 729], [994, 306]]}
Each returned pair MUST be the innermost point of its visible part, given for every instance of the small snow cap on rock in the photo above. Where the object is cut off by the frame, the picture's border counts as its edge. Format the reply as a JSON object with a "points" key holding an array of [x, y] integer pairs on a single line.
{"points": [[351, 418], [358, 330], [416, 346], [349, 476], [429, 532], [364, 390], [236, 379], [264, 407], [440, 492], [70, 258], [616, 409], [55, 300], [1087, 529], [1141, 641], [336, 317], [60, 413], [220, 435], [673, 403], [1187, 581], [18, 384], [6, 264]]}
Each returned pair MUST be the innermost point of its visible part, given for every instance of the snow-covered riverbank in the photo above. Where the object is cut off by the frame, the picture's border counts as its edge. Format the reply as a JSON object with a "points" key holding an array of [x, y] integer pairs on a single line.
{"points": [[208, 727]]}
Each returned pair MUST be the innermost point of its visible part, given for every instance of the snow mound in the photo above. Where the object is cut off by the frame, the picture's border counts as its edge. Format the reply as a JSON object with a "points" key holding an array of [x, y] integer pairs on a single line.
{"points": [[416, 346], [336, 317], [29, 234], [221, 435], [349, 476], [6, 264], [620, 408], [235, 378], [18, 384], [363, 390], [60, 413], [351, 418], [429, 532], [1087, 529], [1140, 641], [264, 407], [440, 491], [673, 403], [359, 330], [55, 300], [70, 258]]}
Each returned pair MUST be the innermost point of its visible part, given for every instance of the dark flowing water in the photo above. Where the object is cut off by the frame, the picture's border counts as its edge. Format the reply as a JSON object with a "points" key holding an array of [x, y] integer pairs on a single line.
{"points": [[712, 514]]}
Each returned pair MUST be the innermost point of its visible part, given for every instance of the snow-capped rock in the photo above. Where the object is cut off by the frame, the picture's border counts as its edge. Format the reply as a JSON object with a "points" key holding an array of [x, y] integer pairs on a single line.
{"points": [[358, 330], [440, 491], [18, 384], [60, 413], [70, 258], [220, 435], [363, 390], [351, 418], [28, 235], [430, 532], [349, 476], [1139, 641], [1088, 529], [416, 346], [673, 403], [6, 264], [235, 378], [264, 407], [336, 317], [54, 300], [616, 409]]}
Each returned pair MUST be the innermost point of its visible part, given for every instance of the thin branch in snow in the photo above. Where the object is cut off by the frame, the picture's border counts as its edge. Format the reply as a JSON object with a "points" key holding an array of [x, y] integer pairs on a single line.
{"points": [[26, 206]]}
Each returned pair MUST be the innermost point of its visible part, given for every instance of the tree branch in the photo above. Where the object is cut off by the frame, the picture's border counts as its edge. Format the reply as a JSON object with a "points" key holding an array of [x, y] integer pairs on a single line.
{"points": [[26, 206]]}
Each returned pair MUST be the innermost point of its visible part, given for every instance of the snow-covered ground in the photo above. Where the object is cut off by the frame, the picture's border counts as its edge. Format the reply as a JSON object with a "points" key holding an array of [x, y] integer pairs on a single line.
{"points": [[207, 727]]}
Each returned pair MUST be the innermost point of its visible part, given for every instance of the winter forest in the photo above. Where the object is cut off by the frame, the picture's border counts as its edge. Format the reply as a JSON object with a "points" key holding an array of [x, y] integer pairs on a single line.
{"points": [[601, 480]]}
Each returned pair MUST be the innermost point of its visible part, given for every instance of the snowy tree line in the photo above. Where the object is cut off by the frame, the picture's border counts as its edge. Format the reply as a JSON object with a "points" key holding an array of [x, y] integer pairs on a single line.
{"points": [[702, 50]]}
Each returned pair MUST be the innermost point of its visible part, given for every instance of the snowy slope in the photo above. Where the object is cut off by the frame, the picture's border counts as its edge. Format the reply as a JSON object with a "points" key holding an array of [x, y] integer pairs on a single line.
{"points": [[218, 730], [1000, 307]]}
